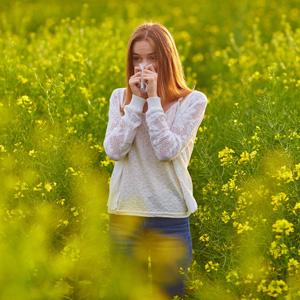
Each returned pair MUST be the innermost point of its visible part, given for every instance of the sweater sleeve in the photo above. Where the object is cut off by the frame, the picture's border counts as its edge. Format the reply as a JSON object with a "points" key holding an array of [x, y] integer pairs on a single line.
{"points": [[121, 130], [169, 142]]}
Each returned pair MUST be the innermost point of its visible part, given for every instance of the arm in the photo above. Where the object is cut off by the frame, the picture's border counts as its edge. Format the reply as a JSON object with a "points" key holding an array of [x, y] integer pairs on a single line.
{"points": [[121, 130], [169, 142]]}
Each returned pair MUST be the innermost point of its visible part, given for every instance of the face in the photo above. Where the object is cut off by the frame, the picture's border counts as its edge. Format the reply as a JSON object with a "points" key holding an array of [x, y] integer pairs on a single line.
{"points": [[143, 52]]}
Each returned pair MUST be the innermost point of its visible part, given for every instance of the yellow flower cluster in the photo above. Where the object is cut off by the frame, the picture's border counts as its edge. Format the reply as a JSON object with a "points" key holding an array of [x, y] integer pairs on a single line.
{"points": [[293, 266], [26, 103], [85, 92], [211, 186], [225, 217], [229, 186], [246, 156], [22, 79], [274, 289], [244, 200], [242, 227], [106, 162], [297, 171], [296, 207], [48, 186], [72, 172], [278, 199], [211, 266], [283, 227], [233, 276], [277, 250], [74, 210], [286, 174], [61, 201], [32, 153], [226, 156], [292, 135], [204, 237]]}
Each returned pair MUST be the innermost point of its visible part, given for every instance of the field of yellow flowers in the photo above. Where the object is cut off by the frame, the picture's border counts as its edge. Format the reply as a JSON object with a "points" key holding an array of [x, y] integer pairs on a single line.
{"points": [[60, 61]]}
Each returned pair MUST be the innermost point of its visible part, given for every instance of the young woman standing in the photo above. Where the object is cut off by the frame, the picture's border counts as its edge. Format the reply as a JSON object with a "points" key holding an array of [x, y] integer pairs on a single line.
{"points": [[150, 135]]}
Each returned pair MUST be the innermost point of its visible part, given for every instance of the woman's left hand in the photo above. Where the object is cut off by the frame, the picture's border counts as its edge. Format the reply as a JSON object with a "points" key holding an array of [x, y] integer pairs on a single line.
{"points": [[150, 77]]}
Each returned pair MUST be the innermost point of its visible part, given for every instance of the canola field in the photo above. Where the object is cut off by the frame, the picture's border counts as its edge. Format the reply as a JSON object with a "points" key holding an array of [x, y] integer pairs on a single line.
{"points": [[60, 62]]}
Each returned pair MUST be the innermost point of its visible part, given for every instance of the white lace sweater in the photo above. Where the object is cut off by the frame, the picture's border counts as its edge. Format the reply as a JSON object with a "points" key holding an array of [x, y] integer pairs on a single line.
{"points": [[152, 151]]}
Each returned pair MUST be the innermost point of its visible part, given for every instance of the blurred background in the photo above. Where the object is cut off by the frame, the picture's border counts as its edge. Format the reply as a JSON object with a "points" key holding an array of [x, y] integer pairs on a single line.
{"points": [[60, 62]]}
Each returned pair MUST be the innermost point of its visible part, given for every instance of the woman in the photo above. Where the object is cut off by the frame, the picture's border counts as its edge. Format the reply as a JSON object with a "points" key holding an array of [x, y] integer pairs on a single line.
{"points": [[150, 136]]}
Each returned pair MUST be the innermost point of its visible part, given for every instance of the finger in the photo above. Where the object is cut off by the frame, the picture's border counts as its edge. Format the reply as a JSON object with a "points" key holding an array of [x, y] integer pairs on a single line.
{"points": [[149, 71], [149, 76], [137, 74], [150, 67]]}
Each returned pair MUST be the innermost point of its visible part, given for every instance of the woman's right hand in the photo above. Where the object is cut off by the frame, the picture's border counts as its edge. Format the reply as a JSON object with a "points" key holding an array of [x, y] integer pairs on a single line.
{"points": [[135, 83]]}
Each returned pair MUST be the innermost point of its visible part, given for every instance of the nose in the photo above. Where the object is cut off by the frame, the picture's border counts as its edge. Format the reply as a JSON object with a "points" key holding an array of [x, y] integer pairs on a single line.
{"points": [[146, 62]]}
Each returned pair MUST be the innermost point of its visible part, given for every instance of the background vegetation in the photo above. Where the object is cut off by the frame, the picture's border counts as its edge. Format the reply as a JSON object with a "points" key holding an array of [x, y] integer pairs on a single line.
{"points": [[60, 61]]}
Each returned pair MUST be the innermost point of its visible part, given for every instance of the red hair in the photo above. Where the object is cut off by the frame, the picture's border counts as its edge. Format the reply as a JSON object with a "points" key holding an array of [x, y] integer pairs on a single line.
{"points": [[171, 84]]}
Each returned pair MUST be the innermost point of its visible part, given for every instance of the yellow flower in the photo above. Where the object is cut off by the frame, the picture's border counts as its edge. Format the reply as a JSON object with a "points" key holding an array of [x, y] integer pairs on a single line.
{"points": [[211, 266], [225, 156], [106, 162], [284, 174], [246, 156], [85, 92], [293, 266], [225, 217], [197, 57], [262, 286], [232, 276], [242, 227], [22, 79], [75, 211], [276, 288], [211, 186], [229, 186], [71, 171], [32, 153], [297, 171], [38, 187], [48, 187], [204, 237], [278, 199], [26, 103], [278, 250], [297, 206], [61, 201], [283, 226]]}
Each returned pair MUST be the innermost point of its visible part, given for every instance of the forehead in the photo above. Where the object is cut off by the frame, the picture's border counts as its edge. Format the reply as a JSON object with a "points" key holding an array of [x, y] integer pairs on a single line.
{"points": [[143, 47]]}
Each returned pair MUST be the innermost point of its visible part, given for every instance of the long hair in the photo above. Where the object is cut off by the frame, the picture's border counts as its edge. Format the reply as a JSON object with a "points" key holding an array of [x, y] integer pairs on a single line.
{"points": [[171, 84]]}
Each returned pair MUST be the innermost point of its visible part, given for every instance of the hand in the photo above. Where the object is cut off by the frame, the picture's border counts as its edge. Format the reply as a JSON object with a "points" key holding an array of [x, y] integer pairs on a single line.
{"points": [[150, 77], [135, 84]]}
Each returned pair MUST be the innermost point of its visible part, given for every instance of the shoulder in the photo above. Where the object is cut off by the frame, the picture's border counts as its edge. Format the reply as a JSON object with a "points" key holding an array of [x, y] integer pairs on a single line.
{"points": [[195, 98], [117, 91], [200, 96], [116, 95]]}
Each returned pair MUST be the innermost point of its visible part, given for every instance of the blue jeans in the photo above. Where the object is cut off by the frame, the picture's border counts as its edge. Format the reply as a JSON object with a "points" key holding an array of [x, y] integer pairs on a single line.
{"points": [[166, 241]]}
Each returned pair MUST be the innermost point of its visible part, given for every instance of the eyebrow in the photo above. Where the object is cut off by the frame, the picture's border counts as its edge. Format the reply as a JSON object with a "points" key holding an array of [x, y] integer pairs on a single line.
{"points": [[148, 53]]}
